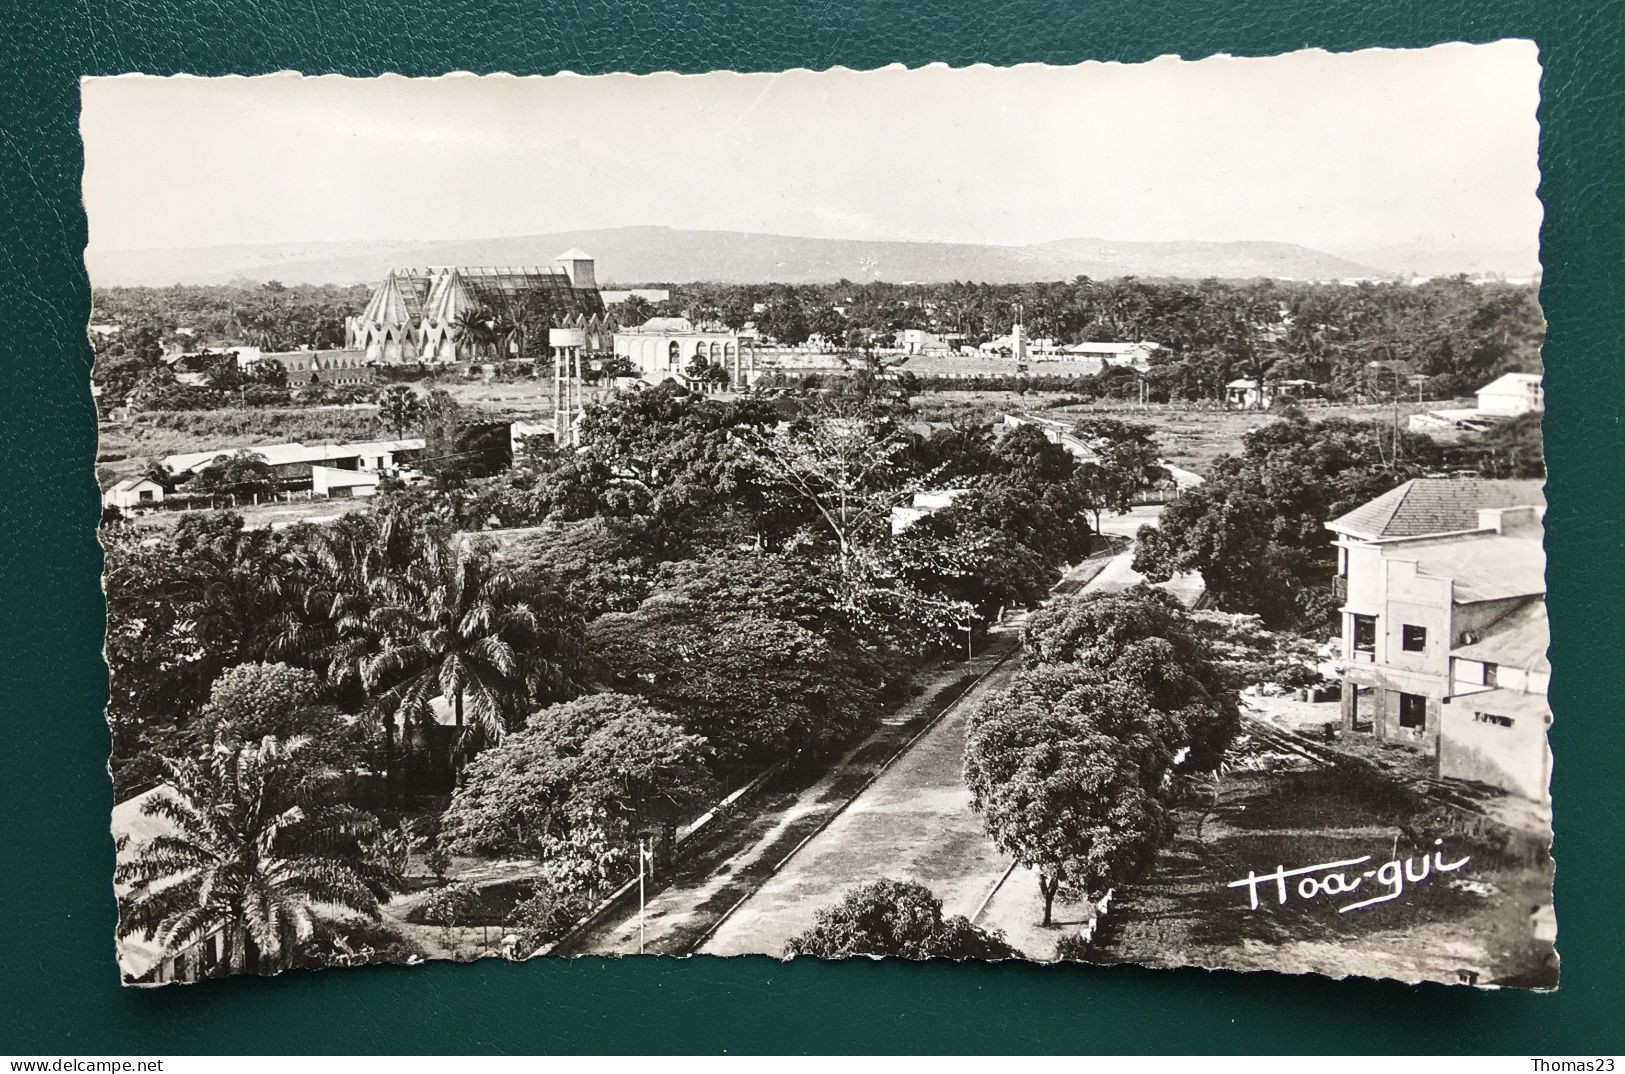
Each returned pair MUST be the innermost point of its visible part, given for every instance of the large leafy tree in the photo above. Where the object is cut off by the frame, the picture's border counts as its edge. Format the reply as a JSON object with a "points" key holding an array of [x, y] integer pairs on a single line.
{"points": [[1144, 639], [896, 919], [1065, 773], [674, 459], [1256, 528], [251, 701], [442, 425], [844, 464], [1126, 461], [599, 564], [759, 688], [243, 472], [399, 409], [596, 772], [254, 849]]}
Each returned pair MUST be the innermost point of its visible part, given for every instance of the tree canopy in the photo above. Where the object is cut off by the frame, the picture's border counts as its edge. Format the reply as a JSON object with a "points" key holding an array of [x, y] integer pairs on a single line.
{"points": [[577, 784], [895, 919], [1256, 528]]}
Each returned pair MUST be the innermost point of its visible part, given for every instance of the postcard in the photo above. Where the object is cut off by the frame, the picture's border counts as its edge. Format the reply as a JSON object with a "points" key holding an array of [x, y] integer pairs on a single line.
{"points": [[1065, 513]]}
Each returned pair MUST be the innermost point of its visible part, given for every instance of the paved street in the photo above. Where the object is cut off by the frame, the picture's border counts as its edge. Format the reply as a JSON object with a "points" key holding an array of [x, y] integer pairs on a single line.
{"points": [[915, 822], [1120, 573]]}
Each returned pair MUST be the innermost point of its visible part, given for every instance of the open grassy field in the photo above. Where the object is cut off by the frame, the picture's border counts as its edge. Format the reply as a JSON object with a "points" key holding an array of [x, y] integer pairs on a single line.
{"points": [[524, 399], [1191, 436], [1478, 918]]}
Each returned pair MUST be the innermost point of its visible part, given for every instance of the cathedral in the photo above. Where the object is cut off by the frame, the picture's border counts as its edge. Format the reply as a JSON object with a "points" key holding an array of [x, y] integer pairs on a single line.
{"points": [[416, 315]]}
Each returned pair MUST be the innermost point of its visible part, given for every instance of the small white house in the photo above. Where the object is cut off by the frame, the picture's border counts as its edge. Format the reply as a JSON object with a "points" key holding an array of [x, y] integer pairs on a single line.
{"points": [[1512, 394], [133, 492], [921, 341], [1246, 392], [335, 483]]}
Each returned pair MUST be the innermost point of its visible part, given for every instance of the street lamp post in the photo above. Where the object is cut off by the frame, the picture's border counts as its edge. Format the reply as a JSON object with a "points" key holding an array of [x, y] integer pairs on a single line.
{"points": [[644, 855]]}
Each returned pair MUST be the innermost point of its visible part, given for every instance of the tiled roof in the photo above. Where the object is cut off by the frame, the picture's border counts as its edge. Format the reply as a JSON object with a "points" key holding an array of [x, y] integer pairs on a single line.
{"points": [[1427, 505], [1517, 639]]}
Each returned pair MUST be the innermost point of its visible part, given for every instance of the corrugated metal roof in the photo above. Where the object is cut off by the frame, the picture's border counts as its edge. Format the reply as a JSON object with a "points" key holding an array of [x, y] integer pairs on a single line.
{"points": [[285, 454], [1517, 639]]}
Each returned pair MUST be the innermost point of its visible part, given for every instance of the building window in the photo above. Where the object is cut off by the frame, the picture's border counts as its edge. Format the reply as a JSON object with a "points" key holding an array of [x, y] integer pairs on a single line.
{"points": [[1493, 719], [1365, 633], [1491, 672], [1413, 711], [1413, 639]]}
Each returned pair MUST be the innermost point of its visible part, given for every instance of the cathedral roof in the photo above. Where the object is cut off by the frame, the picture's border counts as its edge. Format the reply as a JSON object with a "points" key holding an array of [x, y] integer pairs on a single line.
{"points": [[449, 297], [391, 303]]}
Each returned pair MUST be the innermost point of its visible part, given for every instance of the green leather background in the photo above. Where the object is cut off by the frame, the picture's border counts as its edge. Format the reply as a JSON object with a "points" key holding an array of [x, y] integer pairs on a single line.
{"points": [[59, 993]]}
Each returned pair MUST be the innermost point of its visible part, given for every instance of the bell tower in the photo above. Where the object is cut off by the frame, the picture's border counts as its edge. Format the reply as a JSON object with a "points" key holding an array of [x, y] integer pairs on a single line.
{"points": [[578, 265]]}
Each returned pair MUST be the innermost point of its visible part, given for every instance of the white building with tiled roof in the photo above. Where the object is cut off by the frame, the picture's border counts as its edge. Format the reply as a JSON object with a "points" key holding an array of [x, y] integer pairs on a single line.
{"points": [[133, 492], [1420, 569]]}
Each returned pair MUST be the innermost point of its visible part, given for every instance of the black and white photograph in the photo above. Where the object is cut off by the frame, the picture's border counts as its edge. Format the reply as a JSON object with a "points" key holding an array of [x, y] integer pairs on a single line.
{"points": [[1085, 514]]}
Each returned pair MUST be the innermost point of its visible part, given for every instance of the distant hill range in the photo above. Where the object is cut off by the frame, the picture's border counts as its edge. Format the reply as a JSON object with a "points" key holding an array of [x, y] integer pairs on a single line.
{"points": [[628, 255]]}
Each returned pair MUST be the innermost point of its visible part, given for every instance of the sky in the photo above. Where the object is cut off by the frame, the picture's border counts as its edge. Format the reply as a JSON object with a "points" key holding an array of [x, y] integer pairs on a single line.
{"points": [[1342, 152]]}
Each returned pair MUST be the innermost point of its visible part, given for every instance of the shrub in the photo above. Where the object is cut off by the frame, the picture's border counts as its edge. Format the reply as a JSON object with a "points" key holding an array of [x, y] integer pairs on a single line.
{"points": [[899, 918], [543, 918]]}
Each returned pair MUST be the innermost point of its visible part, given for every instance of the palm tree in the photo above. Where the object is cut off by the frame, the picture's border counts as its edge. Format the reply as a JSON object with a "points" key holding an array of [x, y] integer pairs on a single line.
{"points": [[253, 852], [454, 626], [326, 623], [399, 409], [506, 333], [474, 329]]}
